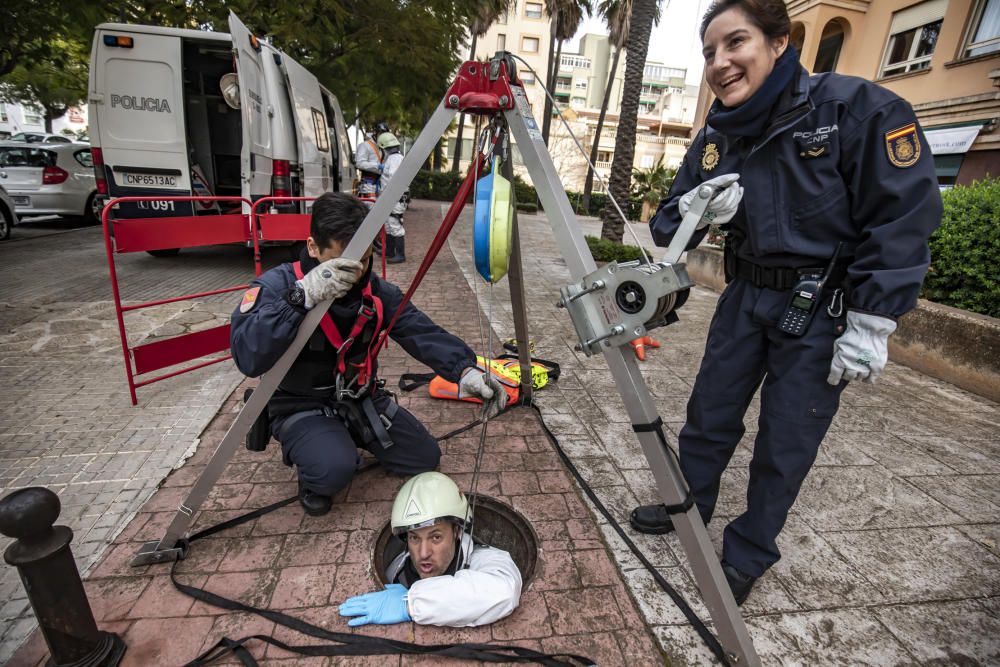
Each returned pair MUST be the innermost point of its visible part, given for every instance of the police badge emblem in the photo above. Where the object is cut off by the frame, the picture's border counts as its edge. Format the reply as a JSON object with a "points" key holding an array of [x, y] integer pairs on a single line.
{"points": [[710, 157], [903, 145]]}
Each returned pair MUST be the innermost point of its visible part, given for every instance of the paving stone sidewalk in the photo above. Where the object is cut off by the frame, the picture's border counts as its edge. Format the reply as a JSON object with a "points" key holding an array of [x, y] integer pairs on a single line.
{"points": [[66, 421], [890, 555], [578, 600]]}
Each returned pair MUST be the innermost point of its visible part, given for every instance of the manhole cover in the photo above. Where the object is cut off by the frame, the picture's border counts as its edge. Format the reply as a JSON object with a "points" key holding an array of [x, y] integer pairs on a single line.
{"points": [[497, 524]]}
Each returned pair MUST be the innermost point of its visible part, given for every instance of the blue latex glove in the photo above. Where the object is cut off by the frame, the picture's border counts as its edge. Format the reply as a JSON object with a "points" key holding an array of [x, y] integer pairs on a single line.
{"points": [[381, 607], [381, 167]]}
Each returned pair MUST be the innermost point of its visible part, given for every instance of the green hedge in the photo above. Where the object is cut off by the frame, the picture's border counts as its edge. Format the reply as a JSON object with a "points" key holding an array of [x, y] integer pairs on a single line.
{"points": [[609, 251], [443, 185], [965, 250]]}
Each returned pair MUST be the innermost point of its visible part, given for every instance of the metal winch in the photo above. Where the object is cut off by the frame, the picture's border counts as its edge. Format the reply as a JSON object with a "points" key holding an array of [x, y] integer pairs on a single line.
{"points": [[618, 303]]}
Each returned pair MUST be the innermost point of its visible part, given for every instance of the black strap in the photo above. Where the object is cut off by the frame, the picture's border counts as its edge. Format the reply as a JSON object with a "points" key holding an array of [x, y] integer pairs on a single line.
{"points": [[411, 381], [375, 421], [346, 643], [699, 626], [657, 427]]}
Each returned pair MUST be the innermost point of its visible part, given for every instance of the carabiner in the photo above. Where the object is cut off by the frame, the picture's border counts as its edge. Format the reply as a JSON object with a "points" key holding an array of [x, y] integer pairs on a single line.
{"points": [[836, 303]]}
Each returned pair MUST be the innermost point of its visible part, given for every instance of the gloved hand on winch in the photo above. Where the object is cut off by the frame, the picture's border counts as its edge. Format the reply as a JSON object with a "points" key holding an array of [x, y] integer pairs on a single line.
{"points": [[332, 279], [484, 386], [863, 350], [723, 206]]}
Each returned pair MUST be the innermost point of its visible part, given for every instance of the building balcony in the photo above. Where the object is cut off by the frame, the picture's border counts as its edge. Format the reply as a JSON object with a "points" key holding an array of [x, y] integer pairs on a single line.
{"points": [[571, 62]]}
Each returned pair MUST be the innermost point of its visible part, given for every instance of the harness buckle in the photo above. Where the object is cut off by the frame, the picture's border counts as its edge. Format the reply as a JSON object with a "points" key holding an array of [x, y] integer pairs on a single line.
{"points": [[342, 392]]}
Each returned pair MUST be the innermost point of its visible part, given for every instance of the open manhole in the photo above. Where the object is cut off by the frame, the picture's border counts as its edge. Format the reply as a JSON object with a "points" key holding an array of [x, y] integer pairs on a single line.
{"points": [[496, 524]]}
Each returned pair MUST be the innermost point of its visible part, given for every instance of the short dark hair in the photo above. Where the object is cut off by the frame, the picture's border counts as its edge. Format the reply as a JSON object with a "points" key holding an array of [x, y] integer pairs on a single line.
{"points": [[771, 16], [336, 216]]}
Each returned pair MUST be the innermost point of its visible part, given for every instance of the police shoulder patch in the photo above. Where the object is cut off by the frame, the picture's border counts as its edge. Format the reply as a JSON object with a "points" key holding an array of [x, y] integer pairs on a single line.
{"points": [[249, 299], [903, 145]]}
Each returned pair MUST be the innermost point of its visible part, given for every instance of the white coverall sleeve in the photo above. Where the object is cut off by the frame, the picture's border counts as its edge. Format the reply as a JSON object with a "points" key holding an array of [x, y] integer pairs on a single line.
{"points": [[488, 590], [391, 164], [366, 159]]}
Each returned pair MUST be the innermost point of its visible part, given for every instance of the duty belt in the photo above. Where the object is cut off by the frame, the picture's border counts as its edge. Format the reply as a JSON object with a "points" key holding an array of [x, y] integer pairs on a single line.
{"points": [[777, 277]]}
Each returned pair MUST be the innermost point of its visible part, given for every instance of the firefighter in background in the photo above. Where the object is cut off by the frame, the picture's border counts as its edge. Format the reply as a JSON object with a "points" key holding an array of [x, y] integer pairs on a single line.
{"points": [[812, 172], [368, 159], [395, 234], [330, 402]]}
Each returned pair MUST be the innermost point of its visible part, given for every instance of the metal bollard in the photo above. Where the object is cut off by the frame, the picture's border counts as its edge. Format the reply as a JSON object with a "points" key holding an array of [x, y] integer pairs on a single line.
{"points": [[42, 556]]}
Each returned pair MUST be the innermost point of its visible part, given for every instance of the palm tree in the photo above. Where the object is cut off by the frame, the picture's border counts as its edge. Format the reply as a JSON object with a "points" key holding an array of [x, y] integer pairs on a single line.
{"points": [[486, 13], [566, 16], [616, 15], [642, 17]]}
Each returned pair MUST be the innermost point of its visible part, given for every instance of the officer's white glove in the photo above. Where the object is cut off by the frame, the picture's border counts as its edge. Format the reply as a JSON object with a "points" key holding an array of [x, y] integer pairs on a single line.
{"points": [[861, 352], [330, 280], [484, 386], [723, 206]]}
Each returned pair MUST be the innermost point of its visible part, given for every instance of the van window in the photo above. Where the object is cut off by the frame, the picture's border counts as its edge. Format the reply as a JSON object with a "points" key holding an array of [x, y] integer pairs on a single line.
{"points": [[322, 136], [12, 156]]}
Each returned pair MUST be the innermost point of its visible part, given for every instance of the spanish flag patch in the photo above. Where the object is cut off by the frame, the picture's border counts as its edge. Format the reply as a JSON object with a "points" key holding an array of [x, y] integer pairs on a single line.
{"points": [[249, 299], [903, 145]]}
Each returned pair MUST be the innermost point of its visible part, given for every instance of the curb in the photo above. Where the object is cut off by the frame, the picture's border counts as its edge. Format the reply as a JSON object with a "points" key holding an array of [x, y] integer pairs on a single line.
{"points": [[947, 343]]}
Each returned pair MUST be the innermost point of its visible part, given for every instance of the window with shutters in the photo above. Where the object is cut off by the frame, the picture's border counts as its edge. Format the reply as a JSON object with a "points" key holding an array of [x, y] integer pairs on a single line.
{"points": [[984, 31], [529, 44], [533, 10], [913, 36]]}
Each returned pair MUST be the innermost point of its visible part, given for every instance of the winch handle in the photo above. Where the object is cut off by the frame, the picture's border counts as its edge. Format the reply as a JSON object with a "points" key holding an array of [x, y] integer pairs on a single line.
{"points": [[706, 193]]}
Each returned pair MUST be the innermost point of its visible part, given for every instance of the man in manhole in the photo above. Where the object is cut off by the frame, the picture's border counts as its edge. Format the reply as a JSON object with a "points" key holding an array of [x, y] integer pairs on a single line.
{"points": [[443, 577]]}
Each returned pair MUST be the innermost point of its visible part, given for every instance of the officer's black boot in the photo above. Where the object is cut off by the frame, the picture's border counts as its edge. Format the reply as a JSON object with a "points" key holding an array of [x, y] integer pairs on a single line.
{"points": [[313, 503], [654, 520], [740, 584], [399, 248]]}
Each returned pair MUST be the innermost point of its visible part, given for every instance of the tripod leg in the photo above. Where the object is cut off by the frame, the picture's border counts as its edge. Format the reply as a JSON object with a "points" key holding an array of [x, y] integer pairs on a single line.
{"points": [[638, 402]]}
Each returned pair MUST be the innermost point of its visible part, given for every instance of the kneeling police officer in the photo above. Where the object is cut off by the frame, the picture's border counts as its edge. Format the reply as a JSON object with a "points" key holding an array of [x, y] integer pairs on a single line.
{"points": [[443, 577], [330, 402]]}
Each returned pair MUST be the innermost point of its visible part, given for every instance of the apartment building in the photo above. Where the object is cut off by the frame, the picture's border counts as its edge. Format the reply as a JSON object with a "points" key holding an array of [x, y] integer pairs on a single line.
{"points": [[15, 117], [943, 56], [667, 106]]}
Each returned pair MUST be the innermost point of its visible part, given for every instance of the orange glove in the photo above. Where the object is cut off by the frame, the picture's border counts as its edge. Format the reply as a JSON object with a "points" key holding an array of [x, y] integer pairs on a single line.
{"points": [[640, 345]]}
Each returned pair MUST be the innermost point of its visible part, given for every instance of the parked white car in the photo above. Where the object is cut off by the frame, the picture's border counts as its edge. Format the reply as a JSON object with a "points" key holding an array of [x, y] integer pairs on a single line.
{"points": [[49, 179], [40, 138], [8, 217]]}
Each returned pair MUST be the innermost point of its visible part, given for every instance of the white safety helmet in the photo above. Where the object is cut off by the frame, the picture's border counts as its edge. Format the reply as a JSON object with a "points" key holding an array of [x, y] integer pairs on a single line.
{"points": [[425, 499], [387, 140]]}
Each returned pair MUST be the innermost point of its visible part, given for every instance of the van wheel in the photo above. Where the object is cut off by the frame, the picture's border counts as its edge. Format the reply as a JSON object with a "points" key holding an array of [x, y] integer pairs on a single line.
{"points": [[6, 222], [166, 252]]}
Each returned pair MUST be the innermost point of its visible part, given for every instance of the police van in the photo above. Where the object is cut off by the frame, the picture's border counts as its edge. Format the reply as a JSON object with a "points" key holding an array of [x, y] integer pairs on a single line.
{"points": [[177, 112]]}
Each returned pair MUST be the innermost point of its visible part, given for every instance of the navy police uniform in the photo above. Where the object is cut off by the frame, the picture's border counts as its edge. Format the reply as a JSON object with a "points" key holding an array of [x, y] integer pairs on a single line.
{"points": [[319, 434], [841, 160]]}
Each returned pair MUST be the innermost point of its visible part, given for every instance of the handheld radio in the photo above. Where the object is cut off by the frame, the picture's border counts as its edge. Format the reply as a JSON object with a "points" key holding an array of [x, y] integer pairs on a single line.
{"points": [[805, 298]]}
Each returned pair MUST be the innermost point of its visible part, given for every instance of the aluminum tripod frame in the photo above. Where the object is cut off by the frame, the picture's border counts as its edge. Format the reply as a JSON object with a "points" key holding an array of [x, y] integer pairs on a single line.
{"points": [[485, 88]]}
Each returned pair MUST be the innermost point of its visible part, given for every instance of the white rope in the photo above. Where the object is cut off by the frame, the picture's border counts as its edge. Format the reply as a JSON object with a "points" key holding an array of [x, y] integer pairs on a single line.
{"points": [[592, 167]]}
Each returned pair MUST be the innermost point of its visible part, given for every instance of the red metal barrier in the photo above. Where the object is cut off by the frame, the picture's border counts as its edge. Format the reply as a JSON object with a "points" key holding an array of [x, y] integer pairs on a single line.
{"points": [[145, 234]]}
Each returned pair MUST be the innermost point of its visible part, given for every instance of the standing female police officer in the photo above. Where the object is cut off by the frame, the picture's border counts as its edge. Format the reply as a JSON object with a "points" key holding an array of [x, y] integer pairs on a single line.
{"points": [[822, 160]]}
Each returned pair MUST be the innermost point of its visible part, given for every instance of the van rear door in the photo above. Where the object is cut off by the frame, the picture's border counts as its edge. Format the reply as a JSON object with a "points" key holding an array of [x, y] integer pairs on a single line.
{"points": [[255, 154], [343, 156], [137, 96], [315, 155]]}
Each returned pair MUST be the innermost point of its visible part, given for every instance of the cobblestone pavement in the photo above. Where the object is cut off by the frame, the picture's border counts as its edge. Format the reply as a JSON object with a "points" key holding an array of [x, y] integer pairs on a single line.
{"points": [[66, 421], [890, 555], [306, 566]]}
